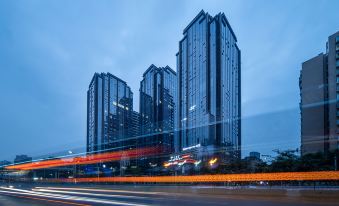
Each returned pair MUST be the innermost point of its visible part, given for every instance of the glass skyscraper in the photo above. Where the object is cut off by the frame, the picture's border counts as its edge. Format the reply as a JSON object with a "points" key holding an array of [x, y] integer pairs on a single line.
{"points": [[209, 90], [157, 107], [110, 116]]}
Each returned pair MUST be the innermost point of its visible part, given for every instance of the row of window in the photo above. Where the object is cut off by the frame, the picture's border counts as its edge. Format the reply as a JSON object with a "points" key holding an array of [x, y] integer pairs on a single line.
{"points": [[337, 65]]}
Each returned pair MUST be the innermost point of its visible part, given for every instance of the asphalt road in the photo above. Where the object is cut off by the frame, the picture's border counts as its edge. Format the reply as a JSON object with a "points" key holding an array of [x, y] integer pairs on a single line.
{"points": [[127, 196]]}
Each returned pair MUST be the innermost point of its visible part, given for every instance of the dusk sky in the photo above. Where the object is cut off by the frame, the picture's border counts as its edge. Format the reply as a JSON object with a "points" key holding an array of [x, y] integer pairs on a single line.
{"points": [[49, 51]]}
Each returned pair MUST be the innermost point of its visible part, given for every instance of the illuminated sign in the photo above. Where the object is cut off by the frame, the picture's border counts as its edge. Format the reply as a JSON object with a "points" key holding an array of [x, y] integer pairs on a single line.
{"points": [[180, 160], [213, 161], [175, 158]]}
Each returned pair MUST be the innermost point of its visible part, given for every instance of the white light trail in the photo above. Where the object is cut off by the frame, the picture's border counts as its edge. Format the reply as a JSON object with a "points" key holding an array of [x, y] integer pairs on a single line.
{"points": [[101, 190], [65, 197], [86, 193]]}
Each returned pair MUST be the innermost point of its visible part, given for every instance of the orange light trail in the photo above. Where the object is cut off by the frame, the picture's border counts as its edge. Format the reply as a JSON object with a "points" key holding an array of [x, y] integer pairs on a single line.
{"points": [[252, 177], [87, 159]]}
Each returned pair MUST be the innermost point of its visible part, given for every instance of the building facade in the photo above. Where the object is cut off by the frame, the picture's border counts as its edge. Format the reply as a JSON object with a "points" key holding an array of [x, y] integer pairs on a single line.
{"points": [[110, 117], [319, 96], [157, 108], [209, 89]]}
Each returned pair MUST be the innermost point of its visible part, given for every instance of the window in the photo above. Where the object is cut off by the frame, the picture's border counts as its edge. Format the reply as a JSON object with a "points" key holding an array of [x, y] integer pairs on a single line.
{"points": [[337, 63], [337, 39]]}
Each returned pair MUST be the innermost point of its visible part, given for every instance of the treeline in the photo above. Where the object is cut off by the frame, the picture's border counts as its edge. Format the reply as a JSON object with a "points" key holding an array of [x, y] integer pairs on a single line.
{"points": [[284, 161]]}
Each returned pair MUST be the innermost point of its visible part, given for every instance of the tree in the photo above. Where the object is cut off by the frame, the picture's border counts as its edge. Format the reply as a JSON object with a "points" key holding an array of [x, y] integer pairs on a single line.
{"points": [[285, 161]]}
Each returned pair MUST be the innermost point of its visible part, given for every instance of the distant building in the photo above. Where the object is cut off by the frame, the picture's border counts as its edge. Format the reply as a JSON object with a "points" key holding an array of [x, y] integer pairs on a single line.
{"points": [[157, 106], [319, 93], [209, 89], [255, 155], [109, 113], [4, 162], [22, 158], [253, 162]]}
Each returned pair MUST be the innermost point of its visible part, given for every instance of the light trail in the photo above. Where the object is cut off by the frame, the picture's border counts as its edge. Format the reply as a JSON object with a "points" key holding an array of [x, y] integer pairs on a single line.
{"points": [[86, 193], [101, 190], [251, 177], [66, 197], [88, 159], [46, 200]]}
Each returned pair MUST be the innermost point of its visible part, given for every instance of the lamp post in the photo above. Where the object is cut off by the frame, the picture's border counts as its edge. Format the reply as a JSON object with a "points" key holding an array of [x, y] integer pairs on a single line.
{"points": [[98, 165]]}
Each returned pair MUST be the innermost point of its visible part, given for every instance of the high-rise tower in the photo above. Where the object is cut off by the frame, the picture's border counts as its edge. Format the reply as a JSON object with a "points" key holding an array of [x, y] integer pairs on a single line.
{"points": [[109, 114], [209, 88], [157, 107]]}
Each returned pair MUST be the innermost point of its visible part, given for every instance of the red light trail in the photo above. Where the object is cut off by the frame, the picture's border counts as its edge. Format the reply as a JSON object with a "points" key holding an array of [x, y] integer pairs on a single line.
{"points": [[87, 159]]}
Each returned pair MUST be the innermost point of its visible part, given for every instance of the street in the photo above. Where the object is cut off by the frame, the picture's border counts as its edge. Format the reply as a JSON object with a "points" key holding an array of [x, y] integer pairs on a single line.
{"points": [[129, 196]]}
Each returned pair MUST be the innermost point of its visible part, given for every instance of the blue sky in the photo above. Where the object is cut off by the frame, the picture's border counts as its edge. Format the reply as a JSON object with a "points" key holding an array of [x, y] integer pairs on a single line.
{"points": [[49, 51]]}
